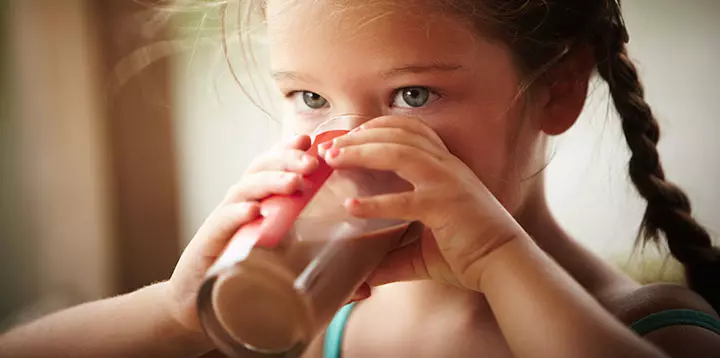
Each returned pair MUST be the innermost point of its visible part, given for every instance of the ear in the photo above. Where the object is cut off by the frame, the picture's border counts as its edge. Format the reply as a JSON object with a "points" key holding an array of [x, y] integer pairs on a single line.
{"points": [[566, 91]]}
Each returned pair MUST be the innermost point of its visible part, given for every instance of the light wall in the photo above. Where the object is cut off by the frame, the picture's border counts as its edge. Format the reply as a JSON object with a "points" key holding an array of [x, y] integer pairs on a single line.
{"points": [[57, 204], [87, 174], [674, 44], [675, 47]]}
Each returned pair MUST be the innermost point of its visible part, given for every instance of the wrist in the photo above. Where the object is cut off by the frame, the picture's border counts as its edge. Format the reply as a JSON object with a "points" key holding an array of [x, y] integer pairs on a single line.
{"points": [[470, 264], [190, 336], [508, 255]]}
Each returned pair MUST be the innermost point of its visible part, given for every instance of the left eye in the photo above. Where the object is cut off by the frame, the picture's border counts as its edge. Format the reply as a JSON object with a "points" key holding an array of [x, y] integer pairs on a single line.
{"points": [[413, 97], [308, 100]]}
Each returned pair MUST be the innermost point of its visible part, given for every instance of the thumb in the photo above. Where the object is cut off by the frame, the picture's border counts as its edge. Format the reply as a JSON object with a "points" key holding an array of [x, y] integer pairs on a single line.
{"points": [[406, 263], [403, 264]]}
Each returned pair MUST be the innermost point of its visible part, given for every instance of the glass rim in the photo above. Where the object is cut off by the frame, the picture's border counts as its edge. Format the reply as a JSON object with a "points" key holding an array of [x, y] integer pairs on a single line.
{"points": [[343, 122]]}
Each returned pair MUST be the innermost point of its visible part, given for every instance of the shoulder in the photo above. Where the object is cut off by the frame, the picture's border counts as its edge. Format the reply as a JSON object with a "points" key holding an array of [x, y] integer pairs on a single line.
{"points": [[655, 298], [678, 340]]}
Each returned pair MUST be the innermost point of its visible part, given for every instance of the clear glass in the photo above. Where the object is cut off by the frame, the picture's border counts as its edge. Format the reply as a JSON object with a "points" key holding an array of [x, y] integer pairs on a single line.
{"points": [[281, 279]]}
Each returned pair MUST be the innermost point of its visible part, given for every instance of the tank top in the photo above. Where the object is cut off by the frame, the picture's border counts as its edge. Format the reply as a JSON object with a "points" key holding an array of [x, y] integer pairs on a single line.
{"points": [[332, 346]]}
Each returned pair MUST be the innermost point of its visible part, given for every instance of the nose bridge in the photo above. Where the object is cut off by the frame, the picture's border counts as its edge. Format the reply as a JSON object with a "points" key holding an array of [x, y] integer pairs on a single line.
{"points": [[351, 119], [343, 122], [365, 107]]}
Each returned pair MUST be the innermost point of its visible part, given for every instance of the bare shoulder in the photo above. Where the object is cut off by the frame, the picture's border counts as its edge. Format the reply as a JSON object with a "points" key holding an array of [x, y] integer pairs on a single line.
{"points": [[681, 340], [649, 299]]}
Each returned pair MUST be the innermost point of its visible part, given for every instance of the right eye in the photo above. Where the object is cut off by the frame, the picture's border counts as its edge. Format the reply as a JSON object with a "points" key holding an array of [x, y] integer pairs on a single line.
{"points": [[306, 100]]}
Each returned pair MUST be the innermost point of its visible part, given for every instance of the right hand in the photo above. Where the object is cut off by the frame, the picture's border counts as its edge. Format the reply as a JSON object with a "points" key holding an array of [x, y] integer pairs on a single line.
{"points": [[279, 171]]}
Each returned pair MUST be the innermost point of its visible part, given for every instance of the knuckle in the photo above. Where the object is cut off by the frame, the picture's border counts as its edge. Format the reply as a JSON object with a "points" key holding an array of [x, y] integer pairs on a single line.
{"points": [[294, 155], [272, 179], [260, 161], [391, 118], [285, 143], [248, 182], [288, 160], [400, 122], [236, 189], [344, 140], [354, 153], [370, 205], [407, 201], [242, 208], [402, 154], [233, 213], [285, 159], [382, 119]]}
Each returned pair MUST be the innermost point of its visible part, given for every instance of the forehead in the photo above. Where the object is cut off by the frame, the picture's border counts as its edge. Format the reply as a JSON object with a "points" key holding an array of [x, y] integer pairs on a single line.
{"points": [[324, 33]]}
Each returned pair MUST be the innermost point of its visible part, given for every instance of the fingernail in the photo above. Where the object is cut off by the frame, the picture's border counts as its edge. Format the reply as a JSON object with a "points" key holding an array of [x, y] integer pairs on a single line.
{"points": [[333, 153], [326, 145]]}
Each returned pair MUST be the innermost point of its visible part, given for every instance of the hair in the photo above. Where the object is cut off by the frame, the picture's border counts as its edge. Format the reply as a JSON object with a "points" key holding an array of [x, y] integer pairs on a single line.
{"points": [[539, 34]]}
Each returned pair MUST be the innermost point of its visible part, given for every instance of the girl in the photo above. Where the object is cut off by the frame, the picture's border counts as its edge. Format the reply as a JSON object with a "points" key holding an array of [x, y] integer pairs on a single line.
{"points": [[464, 95]]}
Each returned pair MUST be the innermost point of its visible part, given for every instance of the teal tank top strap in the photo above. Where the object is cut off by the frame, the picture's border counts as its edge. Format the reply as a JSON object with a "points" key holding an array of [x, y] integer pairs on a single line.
{"points": [[675, 317], [332, 347]]}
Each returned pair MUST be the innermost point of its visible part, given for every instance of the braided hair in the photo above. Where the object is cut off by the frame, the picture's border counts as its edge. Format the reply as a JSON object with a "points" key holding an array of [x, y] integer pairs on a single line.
{"points": [[668, 213], [539, 32]]}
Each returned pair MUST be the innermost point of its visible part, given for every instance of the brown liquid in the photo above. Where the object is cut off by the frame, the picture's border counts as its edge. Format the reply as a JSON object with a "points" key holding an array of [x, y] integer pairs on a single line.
{"points": [[276, 298]]}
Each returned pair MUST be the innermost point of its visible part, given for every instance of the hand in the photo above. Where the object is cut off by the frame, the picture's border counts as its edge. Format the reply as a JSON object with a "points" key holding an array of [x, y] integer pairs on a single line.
{"points": [[464, 221], [279, 171]]}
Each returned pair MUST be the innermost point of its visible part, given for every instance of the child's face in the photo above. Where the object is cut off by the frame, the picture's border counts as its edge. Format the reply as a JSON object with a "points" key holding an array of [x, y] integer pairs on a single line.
{"points": [[374, 60]]}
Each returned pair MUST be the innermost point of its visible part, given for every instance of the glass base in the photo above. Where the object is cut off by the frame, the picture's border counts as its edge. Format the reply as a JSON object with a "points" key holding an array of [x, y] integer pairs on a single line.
{"points": [[253, 312]]}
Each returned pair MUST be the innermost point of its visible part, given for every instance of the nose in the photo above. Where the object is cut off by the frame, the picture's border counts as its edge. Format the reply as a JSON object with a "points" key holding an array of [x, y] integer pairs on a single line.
{"points": [[342, 122], [359, 106]]}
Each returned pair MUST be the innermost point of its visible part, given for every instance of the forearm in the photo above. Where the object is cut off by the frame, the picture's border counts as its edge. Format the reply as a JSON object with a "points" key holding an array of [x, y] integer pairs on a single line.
{"points": [[543, 312], [133, 325]]}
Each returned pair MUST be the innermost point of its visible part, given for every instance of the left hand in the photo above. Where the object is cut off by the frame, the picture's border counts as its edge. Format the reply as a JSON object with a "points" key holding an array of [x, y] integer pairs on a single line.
{"points": [[465, 222]]}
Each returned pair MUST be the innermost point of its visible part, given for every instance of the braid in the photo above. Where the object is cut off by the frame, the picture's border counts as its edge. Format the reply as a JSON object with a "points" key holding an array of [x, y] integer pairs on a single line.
{"points": [[668, 209]]}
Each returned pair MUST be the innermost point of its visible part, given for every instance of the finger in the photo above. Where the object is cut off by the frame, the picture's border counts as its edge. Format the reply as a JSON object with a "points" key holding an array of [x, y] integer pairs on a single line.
{"points": [[409, 206], [413, 233], [386, 135], [409, 124], [411, 164], [300, 142], [403, 264], [399, 206], [257, 186], [291, 160], [222, 224]]}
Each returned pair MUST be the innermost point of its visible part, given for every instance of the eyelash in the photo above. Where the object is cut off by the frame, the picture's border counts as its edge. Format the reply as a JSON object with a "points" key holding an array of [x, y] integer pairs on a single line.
{"points": [[394, 93], [433, 92]]}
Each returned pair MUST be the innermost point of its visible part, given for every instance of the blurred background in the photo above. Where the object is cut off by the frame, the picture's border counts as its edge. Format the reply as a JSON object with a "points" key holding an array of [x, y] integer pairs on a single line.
{"points": [[121, 127]]}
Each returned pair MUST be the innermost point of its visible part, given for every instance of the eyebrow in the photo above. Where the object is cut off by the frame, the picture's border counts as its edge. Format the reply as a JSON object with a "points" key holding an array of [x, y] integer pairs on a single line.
{"points": [[409, 69], [418, 69], [289, 75]]}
